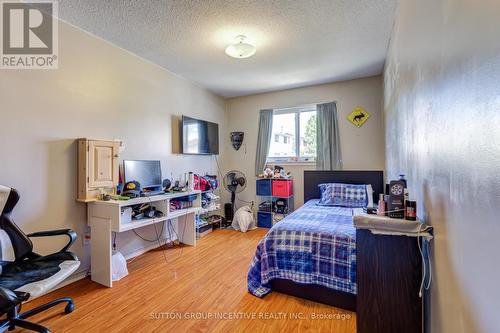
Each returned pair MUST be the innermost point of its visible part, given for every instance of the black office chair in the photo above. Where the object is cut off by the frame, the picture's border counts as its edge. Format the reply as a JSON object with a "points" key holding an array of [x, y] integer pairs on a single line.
{"points": [[25, 274]]}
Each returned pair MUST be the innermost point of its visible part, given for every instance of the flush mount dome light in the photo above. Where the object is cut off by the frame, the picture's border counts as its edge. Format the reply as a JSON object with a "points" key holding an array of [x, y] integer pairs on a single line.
{"points": [[240, 49]]}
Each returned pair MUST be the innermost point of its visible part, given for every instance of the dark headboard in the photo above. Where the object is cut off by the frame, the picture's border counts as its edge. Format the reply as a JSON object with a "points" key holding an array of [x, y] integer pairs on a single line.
{"points": [[313, 178]]}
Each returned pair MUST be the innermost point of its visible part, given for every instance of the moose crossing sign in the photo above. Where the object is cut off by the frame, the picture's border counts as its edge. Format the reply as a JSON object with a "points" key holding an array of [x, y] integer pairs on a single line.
{"points": [[358, 116]]}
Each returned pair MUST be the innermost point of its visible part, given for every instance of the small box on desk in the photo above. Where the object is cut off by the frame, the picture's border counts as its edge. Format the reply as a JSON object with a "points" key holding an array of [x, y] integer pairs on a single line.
{"points": [[282, 188]]}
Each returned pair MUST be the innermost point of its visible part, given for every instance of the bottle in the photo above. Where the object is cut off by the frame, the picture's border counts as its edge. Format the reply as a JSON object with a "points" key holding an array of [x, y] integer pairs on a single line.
{"points": [[381, 205], [403, 179], [386, 200], [411, 210], [190, 181]]}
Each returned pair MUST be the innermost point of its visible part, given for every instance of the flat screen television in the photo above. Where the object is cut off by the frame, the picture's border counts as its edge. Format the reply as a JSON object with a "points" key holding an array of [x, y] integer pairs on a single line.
{"points": [[199, 137], [147, 173]]}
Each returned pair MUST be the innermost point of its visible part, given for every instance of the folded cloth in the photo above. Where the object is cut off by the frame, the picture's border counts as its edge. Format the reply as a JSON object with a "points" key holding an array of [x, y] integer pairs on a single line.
{"points": [[389, 226]]}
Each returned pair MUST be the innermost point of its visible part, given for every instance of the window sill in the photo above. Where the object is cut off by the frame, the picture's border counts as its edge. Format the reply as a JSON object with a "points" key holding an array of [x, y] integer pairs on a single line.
{"points": [[291, 162]]}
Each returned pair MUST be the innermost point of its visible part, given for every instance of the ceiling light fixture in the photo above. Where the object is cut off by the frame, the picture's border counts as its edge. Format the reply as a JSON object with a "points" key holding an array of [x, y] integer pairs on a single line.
{"points": [[240, 49]]}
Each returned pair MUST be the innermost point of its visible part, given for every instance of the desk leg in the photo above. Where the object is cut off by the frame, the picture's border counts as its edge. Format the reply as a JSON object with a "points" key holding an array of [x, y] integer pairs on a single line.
{"points": [[100, 233], [186, 229]]}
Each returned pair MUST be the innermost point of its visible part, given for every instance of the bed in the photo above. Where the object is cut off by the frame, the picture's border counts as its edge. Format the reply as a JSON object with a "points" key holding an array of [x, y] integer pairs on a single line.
{"points": [[311, 253]]}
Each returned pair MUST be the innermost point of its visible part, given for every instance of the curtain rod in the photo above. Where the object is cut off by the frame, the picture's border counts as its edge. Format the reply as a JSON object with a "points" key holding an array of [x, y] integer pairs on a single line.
{"points": [[302, 106]]}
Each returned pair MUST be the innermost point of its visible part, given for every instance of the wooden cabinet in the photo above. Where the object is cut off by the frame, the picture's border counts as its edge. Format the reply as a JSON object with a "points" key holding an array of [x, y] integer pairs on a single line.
{"points": [[98, 163], [389, 272]]}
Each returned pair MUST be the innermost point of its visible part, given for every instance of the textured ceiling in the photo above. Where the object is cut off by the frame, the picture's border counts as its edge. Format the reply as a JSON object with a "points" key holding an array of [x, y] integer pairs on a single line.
{"points": [[298, 43]]}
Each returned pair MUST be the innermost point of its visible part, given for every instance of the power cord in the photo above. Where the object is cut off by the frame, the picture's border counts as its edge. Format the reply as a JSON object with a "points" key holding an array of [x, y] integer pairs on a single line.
{"points": [[171, 228], [183, 232], [160, 245], [145, 239], [423, 285], [148, 240], [218, 166]]}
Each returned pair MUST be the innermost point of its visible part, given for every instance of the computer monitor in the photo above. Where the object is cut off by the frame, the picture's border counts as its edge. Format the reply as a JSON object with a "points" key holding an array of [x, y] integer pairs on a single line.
{"points": [[147, 173]]}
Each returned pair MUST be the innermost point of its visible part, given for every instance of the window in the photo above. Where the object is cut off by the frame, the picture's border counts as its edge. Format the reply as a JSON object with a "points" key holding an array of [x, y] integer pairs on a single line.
{"points": [[294, 132]]}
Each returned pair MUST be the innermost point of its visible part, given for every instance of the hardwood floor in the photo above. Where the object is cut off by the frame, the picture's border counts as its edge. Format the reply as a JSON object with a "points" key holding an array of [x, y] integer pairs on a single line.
{"points": [[209, 279]]}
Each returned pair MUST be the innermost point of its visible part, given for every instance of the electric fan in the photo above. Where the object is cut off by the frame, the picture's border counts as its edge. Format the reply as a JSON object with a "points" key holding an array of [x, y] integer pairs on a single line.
{"points": [[234, 182]]}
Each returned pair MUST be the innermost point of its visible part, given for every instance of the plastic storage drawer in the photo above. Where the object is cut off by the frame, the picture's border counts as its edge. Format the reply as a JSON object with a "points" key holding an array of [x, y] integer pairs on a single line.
{"points": [[282, 188], [264, 220], [263, 187]]}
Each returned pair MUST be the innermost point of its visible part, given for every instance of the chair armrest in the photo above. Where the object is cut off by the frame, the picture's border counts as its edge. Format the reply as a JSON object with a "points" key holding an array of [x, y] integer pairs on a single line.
{"points": [[66, 232], [10, 299]]}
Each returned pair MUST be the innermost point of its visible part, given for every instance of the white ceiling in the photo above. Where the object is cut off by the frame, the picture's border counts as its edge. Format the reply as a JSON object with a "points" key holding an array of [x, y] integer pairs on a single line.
{"points": [[298, 43]]}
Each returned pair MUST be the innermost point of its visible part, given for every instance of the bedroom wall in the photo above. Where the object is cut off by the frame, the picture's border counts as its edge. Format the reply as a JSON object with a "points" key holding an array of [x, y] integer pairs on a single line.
{"points": [[99, 91], [362, 148], [442, 111]]}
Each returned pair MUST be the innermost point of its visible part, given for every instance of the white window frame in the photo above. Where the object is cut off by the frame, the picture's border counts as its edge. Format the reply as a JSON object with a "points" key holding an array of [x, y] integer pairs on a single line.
{"points": [[297, 159]]}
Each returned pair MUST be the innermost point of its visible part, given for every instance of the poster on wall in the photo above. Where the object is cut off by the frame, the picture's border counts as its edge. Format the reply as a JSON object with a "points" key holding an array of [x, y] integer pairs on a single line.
{"points": [[358, 116]]}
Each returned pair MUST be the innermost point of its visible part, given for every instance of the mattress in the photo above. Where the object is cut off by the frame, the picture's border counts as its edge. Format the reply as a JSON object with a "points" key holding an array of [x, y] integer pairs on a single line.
{"points": [[313, 245]]}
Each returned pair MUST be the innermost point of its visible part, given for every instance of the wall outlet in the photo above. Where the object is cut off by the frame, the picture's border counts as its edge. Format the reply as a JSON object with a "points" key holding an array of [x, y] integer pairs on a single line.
{"points": [[86, 238]]}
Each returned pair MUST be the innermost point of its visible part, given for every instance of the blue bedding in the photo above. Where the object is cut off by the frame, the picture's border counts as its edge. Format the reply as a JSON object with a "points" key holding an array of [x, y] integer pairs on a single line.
{"points": [[313, 245]]}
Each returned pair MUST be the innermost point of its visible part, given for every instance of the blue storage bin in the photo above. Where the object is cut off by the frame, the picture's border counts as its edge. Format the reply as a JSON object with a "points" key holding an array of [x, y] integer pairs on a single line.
{"points": [[264, 220], [263, 187]]}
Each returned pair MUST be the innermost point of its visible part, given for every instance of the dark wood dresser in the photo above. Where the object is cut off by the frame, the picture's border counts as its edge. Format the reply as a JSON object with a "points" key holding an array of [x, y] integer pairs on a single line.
{"points": [[389, 273]]}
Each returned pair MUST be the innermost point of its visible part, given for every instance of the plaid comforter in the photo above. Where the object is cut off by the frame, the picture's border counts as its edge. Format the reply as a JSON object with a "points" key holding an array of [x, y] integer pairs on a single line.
{"points": [[313, 245]]}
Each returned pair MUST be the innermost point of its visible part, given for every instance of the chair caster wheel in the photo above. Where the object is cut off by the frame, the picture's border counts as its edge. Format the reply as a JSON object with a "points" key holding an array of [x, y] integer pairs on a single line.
{"points": [[69, 308]]}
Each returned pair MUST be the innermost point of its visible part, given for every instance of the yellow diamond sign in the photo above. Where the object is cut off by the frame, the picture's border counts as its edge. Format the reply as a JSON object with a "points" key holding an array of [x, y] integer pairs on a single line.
{"points": [[358, 116]]}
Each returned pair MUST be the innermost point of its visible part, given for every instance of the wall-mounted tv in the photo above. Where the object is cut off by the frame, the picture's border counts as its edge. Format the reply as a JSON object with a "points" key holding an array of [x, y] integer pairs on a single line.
{"points": [[199, 137]]}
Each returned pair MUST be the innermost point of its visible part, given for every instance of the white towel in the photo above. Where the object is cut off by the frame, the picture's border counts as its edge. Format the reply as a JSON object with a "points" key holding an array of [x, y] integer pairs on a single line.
{"points": [[388, 226]]}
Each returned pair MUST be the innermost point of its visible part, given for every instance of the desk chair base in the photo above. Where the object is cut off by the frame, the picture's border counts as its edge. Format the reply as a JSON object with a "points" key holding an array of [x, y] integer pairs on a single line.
{"points": [[15, 319]]}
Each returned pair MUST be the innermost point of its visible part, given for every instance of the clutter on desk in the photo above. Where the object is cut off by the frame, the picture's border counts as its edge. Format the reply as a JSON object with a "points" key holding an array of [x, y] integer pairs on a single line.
{"points": [[276, 172], [177, 187], [395, 202], [206, 183], [166, 184], [132, 189], [191, 181], [145, 211], [182, 202]]}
